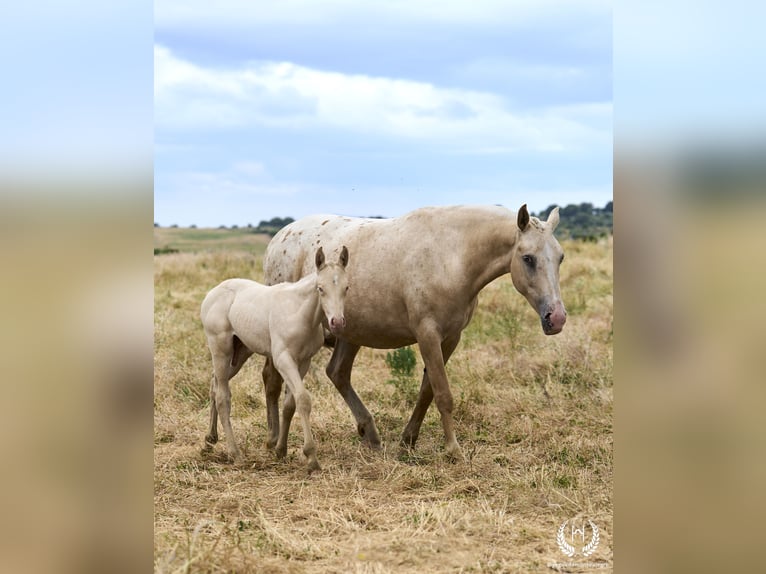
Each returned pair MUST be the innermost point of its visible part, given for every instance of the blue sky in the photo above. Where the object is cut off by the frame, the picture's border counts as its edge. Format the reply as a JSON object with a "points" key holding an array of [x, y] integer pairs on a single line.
{"points": [[288, 108]]}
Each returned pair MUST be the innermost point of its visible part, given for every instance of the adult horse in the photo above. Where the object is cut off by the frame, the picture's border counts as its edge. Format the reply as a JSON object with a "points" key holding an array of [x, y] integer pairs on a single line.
{"points": [[416, 278]]}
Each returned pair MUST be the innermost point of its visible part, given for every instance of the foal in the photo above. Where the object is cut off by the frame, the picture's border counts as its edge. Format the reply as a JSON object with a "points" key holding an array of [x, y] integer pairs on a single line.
{"points": [[281, 322]]}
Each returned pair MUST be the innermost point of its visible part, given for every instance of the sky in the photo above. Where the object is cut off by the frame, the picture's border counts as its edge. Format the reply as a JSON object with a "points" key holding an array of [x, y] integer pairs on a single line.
{"points": [[374, 108]]}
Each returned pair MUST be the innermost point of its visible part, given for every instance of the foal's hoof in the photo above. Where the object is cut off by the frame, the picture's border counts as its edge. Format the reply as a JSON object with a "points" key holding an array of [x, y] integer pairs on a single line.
{"points": [[211, 439], [313, 466]]}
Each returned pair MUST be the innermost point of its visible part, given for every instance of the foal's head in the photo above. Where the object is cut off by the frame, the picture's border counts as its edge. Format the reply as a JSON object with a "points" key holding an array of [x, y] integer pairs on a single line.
{"points": [[535, 268], [332, 286]]}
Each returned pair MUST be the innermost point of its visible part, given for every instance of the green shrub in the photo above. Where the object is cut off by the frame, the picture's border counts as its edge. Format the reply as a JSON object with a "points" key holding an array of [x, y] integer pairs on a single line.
{"points": [[402, 364]]}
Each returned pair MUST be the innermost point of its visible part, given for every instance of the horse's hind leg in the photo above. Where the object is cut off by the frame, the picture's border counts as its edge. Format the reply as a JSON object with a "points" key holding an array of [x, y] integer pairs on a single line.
{"points": [[339, 371], [272, 386]]}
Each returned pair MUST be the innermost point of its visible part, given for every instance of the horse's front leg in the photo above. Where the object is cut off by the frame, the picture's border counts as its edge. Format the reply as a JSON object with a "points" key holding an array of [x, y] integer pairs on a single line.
{"points": [[426, 395], [430, 343], [339, 371]]}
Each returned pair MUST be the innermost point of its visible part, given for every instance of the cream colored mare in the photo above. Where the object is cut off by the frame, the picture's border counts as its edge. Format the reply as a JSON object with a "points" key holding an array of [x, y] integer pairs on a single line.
{"points": [[416, 278], [283, 323]]}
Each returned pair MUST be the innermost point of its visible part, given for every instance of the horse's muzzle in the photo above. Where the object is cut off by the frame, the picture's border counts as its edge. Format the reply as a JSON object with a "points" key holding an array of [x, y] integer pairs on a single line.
{"points": [[553, 321]]}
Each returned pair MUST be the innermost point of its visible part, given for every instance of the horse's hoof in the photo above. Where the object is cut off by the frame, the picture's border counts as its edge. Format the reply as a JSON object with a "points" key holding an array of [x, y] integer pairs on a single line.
{"points": [[373, 444], [369, 435], [454, 454], [211, 439], [408, 441], [280, 453], [313, 466]]}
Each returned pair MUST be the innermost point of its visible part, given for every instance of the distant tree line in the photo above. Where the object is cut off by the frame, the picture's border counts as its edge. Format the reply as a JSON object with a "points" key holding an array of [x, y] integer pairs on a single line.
{"points": [[271, 226], [577, 221], [582, 221]]}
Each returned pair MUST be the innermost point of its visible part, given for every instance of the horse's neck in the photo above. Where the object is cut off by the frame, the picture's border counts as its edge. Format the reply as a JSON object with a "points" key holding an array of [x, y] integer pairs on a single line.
{"points": [[488, 251], [310, 308]]}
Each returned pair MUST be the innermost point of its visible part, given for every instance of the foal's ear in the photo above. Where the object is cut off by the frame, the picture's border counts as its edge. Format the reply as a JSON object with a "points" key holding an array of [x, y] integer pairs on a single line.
{"points": [[553, 218], [343, 260], [522, 219], [319, 258]]}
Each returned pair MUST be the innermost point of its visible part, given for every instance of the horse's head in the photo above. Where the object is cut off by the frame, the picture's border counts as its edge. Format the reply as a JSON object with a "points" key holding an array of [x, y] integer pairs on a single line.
{"points": [[535, 268], [332, 286]]}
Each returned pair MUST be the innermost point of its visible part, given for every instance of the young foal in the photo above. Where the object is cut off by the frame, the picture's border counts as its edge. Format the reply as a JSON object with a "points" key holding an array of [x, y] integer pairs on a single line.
{"points": [[282, 322]]}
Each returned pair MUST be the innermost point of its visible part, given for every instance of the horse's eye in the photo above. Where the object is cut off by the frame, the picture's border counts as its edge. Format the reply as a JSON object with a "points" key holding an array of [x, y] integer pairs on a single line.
{"points": [[321, 291], [561, 259], [346, 289], [529, 260]]}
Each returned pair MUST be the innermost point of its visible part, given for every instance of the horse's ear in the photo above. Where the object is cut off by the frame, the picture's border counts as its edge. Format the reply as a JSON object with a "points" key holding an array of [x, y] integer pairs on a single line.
{"points": [[553, 218], [343, 260], [320, 258], [522, 219]]}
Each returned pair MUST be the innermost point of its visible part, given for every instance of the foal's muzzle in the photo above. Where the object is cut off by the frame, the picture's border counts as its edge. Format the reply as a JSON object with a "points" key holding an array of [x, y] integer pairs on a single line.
{"points": [[337, 324]]}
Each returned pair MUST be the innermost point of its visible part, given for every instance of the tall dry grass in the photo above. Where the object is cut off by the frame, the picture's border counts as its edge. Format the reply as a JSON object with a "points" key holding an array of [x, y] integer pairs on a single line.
{"points": [[533, 414]]}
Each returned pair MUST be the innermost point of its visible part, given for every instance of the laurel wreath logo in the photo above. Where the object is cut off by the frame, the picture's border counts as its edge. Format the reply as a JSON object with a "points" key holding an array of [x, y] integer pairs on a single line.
{"points": [[586, 550], [565, 547], [591, 546]]}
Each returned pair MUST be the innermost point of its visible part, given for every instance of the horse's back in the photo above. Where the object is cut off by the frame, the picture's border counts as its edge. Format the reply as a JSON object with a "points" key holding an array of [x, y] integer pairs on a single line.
{"points": [[421, 237], [290, 254]]}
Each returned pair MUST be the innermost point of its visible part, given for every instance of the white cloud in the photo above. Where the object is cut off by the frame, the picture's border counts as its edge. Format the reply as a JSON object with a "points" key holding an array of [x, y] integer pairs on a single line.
{"points": [[285, 95]]}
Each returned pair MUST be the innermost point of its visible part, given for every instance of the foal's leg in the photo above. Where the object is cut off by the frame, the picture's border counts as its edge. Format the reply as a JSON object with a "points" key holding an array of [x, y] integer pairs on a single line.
{"points": [[430, 343], [293, 376], [339, 371], [222, 352], [426, 395], [229, 354], [211, 437], [288, 410], [272, 387]]}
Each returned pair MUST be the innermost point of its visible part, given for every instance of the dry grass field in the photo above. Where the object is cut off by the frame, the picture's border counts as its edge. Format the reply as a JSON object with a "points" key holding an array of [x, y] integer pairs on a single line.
{"points": [[533, 415]]}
